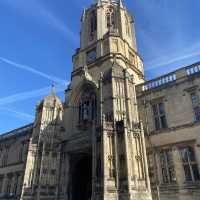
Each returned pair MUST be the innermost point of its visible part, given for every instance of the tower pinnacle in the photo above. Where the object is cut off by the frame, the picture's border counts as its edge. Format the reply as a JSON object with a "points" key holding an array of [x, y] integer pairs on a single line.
{"points": [[53, 89], [109, 1]]}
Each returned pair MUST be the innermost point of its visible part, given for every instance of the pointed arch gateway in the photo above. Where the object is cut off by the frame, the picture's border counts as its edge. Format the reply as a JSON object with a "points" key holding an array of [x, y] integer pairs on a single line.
{"points": [[86, 99], [81, 159], [81, 177]]}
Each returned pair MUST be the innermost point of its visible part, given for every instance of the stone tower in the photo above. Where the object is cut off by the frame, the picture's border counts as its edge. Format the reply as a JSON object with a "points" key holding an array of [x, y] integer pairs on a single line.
{"points": [[41, 172], [91, 147], [105, 155]]}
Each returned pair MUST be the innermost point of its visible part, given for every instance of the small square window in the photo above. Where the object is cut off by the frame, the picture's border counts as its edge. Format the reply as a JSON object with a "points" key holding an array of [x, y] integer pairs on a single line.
{"points": [[91, 56]]}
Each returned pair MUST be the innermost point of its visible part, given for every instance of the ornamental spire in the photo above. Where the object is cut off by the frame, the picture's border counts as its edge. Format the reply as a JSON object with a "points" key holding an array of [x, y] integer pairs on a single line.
{"points": [[53, 89], [121, 3], [106, 1]]}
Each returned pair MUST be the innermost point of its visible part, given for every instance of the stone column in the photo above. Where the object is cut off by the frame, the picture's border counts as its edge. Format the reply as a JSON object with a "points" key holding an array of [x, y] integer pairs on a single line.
{"points": [[127, 155], [197, 153], [12, 185], [5, 182], [94, 159], [159, 172], [19, 183], [145, 158], [67, 175], [178, 167], [115, 134]]}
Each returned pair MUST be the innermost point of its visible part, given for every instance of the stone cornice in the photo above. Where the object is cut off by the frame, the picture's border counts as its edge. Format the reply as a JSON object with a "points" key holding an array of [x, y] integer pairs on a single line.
{"points": [[175, 128], [106, 57]]}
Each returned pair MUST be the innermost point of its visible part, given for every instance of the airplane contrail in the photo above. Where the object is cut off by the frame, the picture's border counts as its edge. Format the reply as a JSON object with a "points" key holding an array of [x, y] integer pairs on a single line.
{"points": [[32, 70]]}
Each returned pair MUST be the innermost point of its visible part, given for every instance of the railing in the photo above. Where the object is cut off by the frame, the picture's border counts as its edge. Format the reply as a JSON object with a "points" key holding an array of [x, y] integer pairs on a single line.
{"points": [[160, 81], [193, 69], [170, 78]]}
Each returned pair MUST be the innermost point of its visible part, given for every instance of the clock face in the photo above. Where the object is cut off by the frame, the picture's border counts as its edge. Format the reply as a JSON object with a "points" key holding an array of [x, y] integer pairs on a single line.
{"points": [[91, 56]]}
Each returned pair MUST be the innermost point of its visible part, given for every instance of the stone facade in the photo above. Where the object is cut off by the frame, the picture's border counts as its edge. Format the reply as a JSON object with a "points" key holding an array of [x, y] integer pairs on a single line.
{"points": [[170, 109], [92, 145], [13, 156]]}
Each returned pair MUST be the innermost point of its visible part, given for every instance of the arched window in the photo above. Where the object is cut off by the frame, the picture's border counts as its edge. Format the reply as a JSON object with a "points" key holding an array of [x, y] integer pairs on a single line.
{"points": [[93, 22], [88, 107], [110, 18]]}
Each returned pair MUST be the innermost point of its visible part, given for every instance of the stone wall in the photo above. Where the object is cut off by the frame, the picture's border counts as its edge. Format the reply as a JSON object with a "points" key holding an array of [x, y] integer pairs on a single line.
{"points": [[173, 146]]}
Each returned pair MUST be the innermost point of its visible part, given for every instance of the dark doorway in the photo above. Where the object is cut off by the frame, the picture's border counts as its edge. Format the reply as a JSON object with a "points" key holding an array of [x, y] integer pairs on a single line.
{"points": [[82, 179]]}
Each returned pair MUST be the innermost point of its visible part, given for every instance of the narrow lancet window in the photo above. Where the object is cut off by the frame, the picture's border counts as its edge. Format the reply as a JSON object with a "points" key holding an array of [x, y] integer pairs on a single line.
{"points": [[93, 22], [110, 18]]}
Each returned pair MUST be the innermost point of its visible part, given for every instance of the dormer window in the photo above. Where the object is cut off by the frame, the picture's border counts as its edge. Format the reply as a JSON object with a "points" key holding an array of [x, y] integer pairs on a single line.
{"points": [[110, 18]]}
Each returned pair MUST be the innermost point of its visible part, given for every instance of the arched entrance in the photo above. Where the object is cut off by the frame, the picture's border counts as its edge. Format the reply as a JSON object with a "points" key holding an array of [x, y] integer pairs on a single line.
{"points": [[82, 179]]}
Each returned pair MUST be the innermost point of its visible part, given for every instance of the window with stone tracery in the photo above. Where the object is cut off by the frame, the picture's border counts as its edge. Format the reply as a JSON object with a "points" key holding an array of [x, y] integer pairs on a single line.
{"points": [[110, 18], [167, 166], [189, 163], [159, 115], [87, 107]]}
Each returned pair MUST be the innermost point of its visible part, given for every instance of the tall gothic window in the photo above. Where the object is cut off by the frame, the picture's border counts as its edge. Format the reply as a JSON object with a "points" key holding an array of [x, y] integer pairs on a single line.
{"points": [[189, 164], [159, 115], [88, 107], [167, 166], [110, 18], [196, 105], [93, 22]]}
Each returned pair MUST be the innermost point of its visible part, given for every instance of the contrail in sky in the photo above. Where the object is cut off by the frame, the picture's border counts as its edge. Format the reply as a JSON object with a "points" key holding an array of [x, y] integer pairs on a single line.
{"points": [[18, 114], [187, 53], [28, 95], [32, 70], [172, 60]]}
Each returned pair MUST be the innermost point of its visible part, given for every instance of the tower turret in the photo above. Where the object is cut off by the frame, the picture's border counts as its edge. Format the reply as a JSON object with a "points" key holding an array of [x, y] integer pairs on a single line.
{"points": [[106, 16], [101, 103], [44, 148]]}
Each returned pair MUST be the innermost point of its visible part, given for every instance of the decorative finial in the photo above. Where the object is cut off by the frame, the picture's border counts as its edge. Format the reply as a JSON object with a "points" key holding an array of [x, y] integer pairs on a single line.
{"points": [[83, 14], [99, 2], [121, 3], [53, 89]]}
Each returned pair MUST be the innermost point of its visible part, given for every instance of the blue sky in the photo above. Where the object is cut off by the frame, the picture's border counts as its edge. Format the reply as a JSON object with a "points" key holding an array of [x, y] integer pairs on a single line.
{"points": [[38, 38]]}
